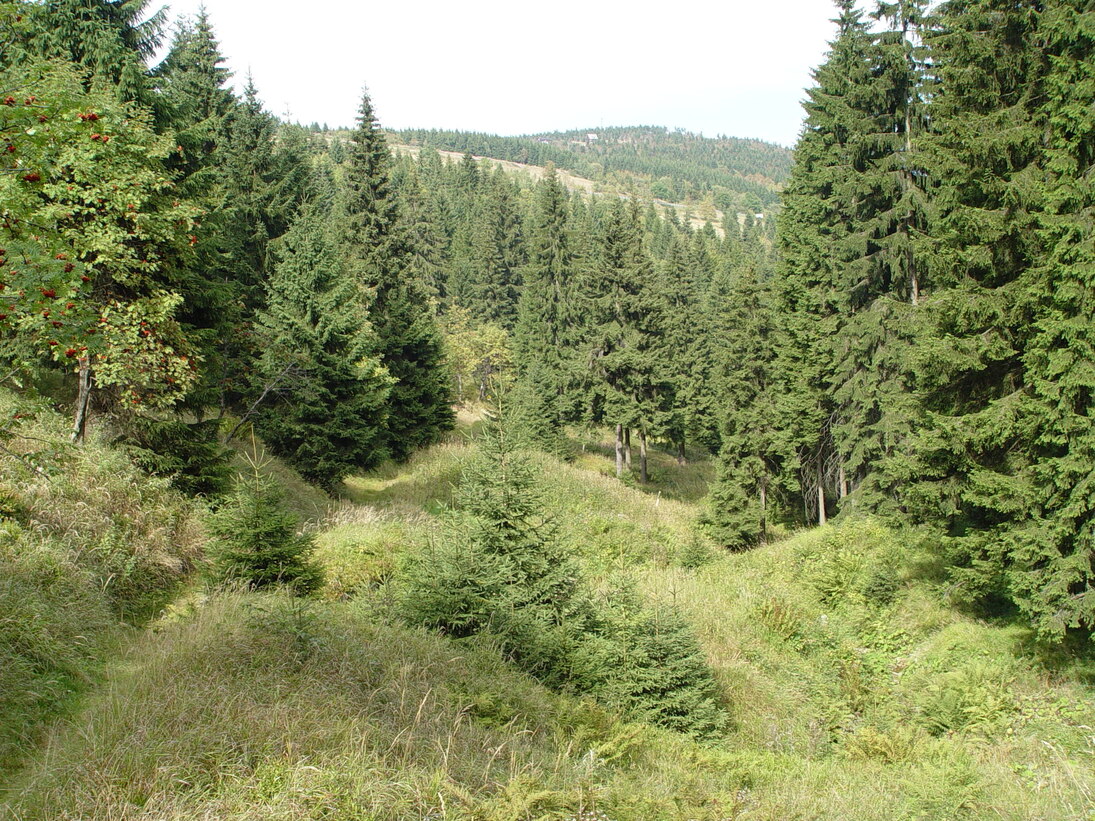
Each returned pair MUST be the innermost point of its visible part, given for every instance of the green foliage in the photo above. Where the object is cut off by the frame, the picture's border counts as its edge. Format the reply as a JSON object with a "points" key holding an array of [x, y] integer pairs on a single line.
{"points": [[547, 322], [649, 664], [409, 344], [98, 233], [54, 625], [189, 454], [321, 390], [255, 541], [478, 355], [503, 570]]}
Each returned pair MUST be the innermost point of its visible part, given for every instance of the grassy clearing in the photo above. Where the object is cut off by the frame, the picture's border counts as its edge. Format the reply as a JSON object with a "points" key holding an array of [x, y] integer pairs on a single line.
{"points": [[839, 658], [854, 690], [262, 707]]}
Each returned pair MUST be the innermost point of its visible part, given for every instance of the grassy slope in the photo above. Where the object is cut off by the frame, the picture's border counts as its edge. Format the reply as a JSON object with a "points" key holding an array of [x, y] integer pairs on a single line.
{"points": [[855, 692]]}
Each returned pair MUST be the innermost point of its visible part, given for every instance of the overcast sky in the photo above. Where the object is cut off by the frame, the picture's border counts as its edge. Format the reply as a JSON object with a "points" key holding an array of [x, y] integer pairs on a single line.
{"points": [[515, 67]]}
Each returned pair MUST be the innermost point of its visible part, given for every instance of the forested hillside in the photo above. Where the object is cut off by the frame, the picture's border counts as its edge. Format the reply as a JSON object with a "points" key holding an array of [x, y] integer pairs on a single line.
{"points": [[735, 174], [337, 483]]}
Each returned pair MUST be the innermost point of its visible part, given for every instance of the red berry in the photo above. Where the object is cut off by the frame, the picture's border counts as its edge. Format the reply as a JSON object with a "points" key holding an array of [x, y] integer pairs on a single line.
{"points": [[68, 267], [33, 176], [48, 293], [85, 278], [70, 352], [53, 342]]}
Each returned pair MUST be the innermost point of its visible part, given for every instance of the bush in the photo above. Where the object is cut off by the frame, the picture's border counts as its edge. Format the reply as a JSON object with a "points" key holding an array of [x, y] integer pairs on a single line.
{"points": [[501, 567], [649, 664]]}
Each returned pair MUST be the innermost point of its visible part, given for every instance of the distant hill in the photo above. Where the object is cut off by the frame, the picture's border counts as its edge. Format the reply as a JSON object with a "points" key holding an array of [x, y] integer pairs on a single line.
{"points": [[674, 165]]}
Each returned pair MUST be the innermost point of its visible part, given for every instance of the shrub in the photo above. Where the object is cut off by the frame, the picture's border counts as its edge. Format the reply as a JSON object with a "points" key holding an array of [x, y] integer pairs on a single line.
{"points": [[254, 539], [649, 664]]}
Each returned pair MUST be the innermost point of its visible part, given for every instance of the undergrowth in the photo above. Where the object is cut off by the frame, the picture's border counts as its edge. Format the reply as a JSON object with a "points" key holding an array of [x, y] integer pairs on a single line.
{"points": [[854, 690]]}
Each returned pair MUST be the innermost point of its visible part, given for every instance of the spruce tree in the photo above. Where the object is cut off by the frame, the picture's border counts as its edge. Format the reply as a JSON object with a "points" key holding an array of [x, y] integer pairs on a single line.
{"points": [[254, 540], [1004, 376], [816, 235], [322, 392], [624, 332], [194, 103], [112, 39], [408, 342], [752, 470], [1052, 576], [504, 569], [546, 322]]}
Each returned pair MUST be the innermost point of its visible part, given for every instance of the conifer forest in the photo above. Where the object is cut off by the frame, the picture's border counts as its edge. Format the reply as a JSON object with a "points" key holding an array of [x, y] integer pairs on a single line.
{"points": [[611, 474]]}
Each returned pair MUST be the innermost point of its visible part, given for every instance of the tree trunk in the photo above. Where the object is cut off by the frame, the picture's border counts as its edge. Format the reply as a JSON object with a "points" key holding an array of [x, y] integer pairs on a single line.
{"points": [[682, 460], [841, 483], [627, 448], [619, 451], [763, 535], [643, 474], [821, 517], [83, 400]]}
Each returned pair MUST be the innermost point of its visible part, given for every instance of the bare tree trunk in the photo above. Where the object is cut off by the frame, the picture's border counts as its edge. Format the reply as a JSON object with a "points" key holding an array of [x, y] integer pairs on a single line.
{"points": [[619, 451], [821, 517], [643, 474], [627, 448], [682, 459], [83, 400], [841, 482], [764, 509]]}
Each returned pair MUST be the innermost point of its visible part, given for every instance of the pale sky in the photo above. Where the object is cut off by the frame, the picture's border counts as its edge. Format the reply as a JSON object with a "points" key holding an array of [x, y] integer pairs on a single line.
{"points": [[511, 67]]}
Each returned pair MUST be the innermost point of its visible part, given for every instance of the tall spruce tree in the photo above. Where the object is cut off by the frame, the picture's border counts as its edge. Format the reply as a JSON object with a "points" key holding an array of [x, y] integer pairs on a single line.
{"points": [[814, 231], [886, 209], [1004, 374], [193, 102], [408, 341], [751, 483], [546, 322], [625, 332], [323, 393]]}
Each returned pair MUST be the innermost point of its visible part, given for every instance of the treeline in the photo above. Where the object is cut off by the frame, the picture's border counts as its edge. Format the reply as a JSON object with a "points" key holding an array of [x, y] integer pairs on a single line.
{"points": [[738, 174], [602, 311], [178, 256], [926, 348]]}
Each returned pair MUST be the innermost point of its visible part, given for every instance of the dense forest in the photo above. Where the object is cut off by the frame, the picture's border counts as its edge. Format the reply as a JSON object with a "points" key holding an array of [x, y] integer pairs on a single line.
{"points": [[529, 503]]}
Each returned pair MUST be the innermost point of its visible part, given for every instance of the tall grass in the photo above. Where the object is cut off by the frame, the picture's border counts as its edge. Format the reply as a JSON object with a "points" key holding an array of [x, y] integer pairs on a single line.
{"points": [[264, 707], [855, 691], [86, 541]]}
